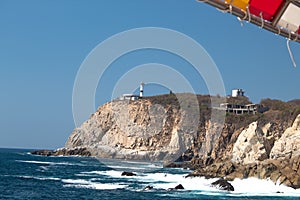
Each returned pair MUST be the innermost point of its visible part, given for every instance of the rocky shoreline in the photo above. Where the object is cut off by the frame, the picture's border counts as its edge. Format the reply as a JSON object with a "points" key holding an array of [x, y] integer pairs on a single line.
{"points": [[283, 171], [264, 146], [63, 152], [222, 183]]}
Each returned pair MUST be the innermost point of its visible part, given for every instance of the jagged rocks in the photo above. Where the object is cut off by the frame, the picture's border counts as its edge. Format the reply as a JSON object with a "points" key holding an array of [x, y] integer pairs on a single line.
{"points": [[184, 165], [251, 146], [282, 171], [223, 185], [43, 152], [220, 169], [179, 187], [63, 152], [289, 144], [80, 151]]}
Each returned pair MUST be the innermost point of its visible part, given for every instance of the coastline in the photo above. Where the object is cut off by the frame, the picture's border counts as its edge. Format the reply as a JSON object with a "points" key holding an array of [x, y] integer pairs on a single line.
{"points": [[196, 182]]}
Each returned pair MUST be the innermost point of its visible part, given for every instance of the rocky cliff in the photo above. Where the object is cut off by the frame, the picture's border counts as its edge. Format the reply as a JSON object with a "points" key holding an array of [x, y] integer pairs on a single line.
{"points": [[157, 128], [256, 153], [140, 130]]}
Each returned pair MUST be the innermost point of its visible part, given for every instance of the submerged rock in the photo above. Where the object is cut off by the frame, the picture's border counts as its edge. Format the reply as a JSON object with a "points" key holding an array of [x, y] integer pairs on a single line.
{"points": [[149, 187], [223, 185]]}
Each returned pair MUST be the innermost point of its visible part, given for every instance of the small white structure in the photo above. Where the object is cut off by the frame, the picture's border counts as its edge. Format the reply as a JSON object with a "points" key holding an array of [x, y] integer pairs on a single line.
{"points": [[141, 89], [237, 92], [131, 97], [134, 97]]}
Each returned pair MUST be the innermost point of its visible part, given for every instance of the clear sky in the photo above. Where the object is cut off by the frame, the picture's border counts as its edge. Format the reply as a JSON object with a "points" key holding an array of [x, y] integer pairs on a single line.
{"points": [[43, 43]]}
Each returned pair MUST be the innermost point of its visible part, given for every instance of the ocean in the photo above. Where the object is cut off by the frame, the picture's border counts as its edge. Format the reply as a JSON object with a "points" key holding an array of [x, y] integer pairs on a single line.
{"points": [[26, 176]]}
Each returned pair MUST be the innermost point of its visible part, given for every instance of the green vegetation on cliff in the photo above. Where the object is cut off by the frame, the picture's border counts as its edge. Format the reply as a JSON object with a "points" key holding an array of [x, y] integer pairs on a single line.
{"points": [[276, 110]]}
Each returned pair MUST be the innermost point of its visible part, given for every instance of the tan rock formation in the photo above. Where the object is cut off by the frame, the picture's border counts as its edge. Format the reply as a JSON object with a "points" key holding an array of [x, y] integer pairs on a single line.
{"points": [[134, 130], [251, 146], [288, 145]]}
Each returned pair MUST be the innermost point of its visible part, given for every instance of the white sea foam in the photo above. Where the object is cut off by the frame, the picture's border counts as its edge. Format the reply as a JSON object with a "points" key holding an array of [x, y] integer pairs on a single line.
{"points": [[43, 168], [201, 185], [84, 174], [249, 187], [48, 163], [40, 178], [127, 167], [98, 186], [254, 186], [75, 181], [166, 181], [81, 183], [111, 173], [134, 162], [34, 162]]}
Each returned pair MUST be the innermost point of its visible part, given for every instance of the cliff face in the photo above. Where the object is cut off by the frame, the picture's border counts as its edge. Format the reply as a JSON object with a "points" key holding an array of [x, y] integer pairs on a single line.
{"points": [[257, 153], [264, 145], [252, 145], [288, 145], [135, 130]]}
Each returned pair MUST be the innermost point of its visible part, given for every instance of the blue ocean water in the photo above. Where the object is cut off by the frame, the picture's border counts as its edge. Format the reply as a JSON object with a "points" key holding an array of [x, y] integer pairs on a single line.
{"points": [[26, 176]]}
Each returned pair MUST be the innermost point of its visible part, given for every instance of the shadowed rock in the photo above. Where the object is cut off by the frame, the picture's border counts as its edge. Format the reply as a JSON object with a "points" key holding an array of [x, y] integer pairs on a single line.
{"points": [[63, 152], [149, 187], [128, 174], [43, 152], [223, 185], [179, 187]]}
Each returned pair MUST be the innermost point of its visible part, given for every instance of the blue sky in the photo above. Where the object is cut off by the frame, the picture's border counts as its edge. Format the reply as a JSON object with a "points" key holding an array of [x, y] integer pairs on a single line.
{"points": [[43, 43]]}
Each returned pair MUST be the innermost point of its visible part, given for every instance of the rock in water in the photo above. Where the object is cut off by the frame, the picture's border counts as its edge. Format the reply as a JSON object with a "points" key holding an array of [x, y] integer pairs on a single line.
{"points": [[148, 187], [79, 151], [43, 152], [63, 152], [179, 187], [128, 174], [223, 185]]}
